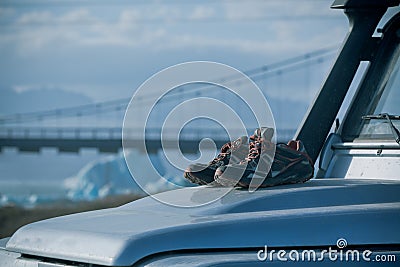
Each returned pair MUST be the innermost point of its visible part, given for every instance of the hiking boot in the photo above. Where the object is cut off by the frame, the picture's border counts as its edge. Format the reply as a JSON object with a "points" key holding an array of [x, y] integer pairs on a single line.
{"points": [[232, 174], [290, 164], [231, 153], [200, 173]]}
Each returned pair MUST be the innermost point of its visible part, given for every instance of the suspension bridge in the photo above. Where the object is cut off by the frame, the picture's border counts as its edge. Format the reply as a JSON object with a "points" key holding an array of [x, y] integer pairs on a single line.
{"points": [[68, 130]]}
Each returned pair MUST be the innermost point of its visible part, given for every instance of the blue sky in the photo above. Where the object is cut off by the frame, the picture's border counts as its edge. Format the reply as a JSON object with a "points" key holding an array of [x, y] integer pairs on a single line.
{"points": [[102, 50], [64, 53]]}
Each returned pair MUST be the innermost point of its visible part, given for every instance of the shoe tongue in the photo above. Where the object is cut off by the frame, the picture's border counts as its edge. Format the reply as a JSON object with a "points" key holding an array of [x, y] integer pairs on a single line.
{"points": [[238, 142], [293, 145], [265, 133], [296, 145]]}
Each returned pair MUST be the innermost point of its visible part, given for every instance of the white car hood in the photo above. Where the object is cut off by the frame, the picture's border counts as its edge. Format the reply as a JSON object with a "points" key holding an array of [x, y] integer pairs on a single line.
{"points": [[315, 213]]}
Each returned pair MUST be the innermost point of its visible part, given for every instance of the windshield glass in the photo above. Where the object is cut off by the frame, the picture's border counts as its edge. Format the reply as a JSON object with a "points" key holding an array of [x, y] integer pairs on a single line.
{"points": [[387, 102]]}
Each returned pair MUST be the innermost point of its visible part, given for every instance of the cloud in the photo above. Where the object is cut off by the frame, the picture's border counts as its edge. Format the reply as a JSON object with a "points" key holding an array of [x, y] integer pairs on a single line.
{"points": [[35, 17], [37, 30], [92, 48], [162, 27], [38, 99], [281, 43], [276, 9], [6, 12], [202, 12]]}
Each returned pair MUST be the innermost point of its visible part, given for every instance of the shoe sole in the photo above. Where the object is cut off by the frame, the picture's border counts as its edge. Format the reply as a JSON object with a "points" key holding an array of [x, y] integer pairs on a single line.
{"points": [[273, 181], [194, 179]]}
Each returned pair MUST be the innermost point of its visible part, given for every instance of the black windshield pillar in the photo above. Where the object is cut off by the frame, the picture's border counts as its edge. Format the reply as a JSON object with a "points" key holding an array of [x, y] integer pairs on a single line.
{"points": [[323, 111]]}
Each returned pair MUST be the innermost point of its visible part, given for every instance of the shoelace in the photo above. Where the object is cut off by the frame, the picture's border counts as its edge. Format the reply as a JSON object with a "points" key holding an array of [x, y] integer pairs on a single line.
{"points": [[225, 150], [228, 148], [256, 147], [254, 151]]}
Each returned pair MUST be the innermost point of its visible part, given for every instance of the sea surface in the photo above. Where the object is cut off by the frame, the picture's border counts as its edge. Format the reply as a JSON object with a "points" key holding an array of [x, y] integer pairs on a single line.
{"points": [[30, 194], [29, 180]]}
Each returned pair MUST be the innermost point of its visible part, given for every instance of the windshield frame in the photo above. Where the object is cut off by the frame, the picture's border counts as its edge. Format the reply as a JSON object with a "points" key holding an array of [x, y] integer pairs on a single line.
{"points": [[383, 60]]}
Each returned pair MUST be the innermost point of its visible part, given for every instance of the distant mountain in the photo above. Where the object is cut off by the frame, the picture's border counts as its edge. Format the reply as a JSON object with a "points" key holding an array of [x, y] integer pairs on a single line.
{"points": [[39, 100]]}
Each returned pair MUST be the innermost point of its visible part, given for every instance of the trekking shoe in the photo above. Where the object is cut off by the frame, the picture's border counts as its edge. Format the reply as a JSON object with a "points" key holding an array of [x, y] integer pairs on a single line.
{"points": [[230, 175], [231, 153], [200, 173], [291, 164]]}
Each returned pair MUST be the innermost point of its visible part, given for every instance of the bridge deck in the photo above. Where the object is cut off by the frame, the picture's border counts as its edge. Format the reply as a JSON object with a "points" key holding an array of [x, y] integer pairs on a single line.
{"points": [[109, 139], [103, 145]]}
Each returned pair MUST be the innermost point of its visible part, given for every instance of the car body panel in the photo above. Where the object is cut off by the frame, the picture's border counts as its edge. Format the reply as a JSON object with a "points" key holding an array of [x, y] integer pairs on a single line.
{"points": [[291, 215]]}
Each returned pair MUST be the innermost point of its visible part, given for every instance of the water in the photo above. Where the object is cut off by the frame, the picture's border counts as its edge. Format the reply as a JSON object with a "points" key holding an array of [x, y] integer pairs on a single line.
{"points": [[30, 194], [29, 179]]}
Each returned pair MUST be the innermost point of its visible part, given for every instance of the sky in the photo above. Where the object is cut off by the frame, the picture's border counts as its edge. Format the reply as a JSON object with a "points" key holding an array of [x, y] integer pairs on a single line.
{"points": [[65, 53], [62, 53]]}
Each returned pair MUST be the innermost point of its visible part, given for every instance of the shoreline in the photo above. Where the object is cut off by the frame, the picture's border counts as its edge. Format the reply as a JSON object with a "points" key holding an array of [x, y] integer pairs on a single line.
{"points": [[13, 217]]}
